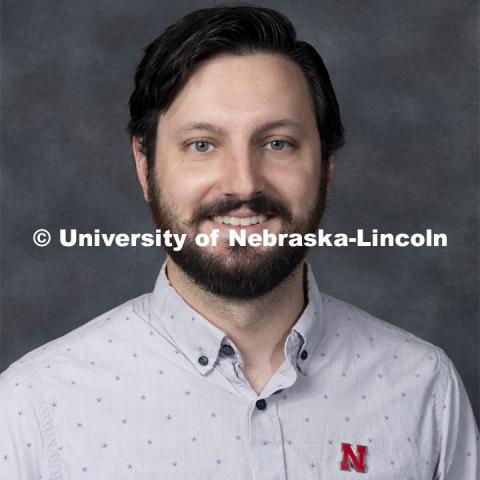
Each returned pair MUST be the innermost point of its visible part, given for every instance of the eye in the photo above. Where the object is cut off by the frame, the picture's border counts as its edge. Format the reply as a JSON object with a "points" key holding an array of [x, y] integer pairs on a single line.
{"points": [[279, 145], [200, 146]]}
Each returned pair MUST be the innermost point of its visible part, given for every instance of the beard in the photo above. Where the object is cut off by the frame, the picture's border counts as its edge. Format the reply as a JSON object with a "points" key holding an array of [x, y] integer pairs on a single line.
{"points": [[239, 272]]}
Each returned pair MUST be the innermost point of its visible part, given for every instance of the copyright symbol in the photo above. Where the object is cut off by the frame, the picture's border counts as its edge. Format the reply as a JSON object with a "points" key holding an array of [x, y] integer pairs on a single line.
{"points": [[41, 238]]}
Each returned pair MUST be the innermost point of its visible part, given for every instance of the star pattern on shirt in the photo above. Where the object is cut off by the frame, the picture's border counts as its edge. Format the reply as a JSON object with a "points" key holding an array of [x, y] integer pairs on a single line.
{"points": [[216, 416]]}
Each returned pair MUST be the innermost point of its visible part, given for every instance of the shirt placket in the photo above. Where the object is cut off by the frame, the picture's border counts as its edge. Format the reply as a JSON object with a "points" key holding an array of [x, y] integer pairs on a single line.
{"points": [[266, 439], [267, 455]]}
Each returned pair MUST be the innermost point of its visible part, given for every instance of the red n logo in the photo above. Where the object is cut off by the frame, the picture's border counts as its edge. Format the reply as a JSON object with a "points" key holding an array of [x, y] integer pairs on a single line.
{"points": [[350, 459]]}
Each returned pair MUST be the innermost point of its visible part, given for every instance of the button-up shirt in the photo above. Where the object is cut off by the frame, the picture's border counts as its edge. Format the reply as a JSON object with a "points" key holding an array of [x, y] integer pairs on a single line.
{"points": [[152, 390]]}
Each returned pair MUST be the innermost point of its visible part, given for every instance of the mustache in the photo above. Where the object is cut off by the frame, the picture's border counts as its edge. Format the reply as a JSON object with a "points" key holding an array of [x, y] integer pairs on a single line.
{"points": [[260, 204]]}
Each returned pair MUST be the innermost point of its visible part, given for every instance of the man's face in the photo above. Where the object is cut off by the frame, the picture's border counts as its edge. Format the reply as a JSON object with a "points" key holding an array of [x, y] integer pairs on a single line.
{"points": [[238, 149]]}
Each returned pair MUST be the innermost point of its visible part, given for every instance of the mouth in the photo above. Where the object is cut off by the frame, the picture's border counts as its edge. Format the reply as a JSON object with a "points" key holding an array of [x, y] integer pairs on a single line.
{"points": [[241, 221]]}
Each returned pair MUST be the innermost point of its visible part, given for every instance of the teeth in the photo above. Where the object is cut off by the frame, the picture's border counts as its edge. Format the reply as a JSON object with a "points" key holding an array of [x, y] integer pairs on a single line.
{"points": [[242, 221]]}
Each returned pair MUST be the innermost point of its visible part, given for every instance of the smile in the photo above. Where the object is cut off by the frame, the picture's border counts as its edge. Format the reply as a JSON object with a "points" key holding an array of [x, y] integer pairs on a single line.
{"points": [[240, 221]]}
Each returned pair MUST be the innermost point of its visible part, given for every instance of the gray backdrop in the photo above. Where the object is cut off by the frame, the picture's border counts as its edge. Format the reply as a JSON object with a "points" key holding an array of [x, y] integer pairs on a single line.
{"points": [[406, 77]]}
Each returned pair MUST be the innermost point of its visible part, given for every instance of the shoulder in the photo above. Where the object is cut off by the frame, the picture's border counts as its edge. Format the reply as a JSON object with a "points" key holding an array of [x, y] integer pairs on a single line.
{"points": [[80, 346], [387, 345], [66, 371]]}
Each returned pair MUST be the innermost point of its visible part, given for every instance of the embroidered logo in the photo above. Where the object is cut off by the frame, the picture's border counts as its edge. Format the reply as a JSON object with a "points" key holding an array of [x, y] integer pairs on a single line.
{"points": [[354, 460]]}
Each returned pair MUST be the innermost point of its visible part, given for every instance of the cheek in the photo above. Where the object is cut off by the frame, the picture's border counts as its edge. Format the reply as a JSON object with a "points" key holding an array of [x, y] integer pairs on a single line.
{"points": [[184, 185], [299, 186]]}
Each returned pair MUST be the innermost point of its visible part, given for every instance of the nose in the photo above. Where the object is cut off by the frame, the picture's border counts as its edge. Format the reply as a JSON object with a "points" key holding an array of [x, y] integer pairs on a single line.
{"points": [[242, 175]]}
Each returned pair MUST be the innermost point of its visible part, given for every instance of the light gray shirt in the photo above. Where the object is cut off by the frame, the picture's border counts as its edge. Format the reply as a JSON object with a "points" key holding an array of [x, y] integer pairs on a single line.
{"points": [[152, 390]]}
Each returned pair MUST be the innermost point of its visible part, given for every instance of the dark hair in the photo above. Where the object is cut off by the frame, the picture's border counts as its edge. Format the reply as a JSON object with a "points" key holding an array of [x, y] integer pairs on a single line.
{"points": [[170, 59]]}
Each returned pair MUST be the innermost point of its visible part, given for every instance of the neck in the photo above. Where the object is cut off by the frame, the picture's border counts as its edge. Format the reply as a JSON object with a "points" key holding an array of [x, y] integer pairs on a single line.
{"points": [[258, 327]]}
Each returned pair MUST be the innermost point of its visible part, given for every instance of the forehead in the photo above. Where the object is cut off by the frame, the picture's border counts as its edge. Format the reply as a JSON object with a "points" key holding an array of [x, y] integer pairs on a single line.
{"points": [[241, 90]]}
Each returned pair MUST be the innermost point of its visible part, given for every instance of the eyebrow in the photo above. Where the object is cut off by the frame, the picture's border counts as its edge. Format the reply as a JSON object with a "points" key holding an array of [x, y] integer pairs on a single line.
{"points": [[283, 122]]}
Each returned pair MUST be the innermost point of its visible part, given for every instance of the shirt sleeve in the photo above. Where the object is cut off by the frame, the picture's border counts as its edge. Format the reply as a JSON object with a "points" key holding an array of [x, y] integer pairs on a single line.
{"points": [[459, 438], [22, 450]]}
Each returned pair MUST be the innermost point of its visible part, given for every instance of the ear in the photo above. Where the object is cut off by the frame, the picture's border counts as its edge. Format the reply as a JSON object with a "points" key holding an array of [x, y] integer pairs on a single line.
{"points": [[142, 166], [331, 161]]}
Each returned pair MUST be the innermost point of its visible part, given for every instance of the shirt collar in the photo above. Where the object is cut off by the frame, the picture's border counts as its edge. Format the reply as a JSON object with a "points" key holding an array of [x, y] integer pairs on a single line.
{"points": [[307, 331], [191, 333], [196, 337]]}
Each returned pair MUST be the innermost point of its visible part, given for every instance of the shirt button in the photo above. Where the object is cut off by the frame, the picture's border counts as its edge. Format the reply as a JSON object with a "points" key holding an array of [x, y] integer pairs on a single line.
{"points": [[304, 355], [203, 360], [227, 350], [261, 404]]}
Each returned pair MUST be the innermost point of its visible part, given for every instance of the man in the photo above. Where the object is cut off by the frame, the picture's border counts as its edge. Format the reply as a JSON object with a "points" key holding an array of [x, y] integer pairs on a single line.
{"points": [[235, 366]]}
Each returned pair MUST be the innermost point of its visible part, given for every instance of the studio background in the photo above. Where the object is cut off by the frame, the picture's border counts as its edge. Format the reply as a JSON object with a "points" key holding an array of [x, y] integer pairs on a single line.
{"points": [[406, 77]]}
